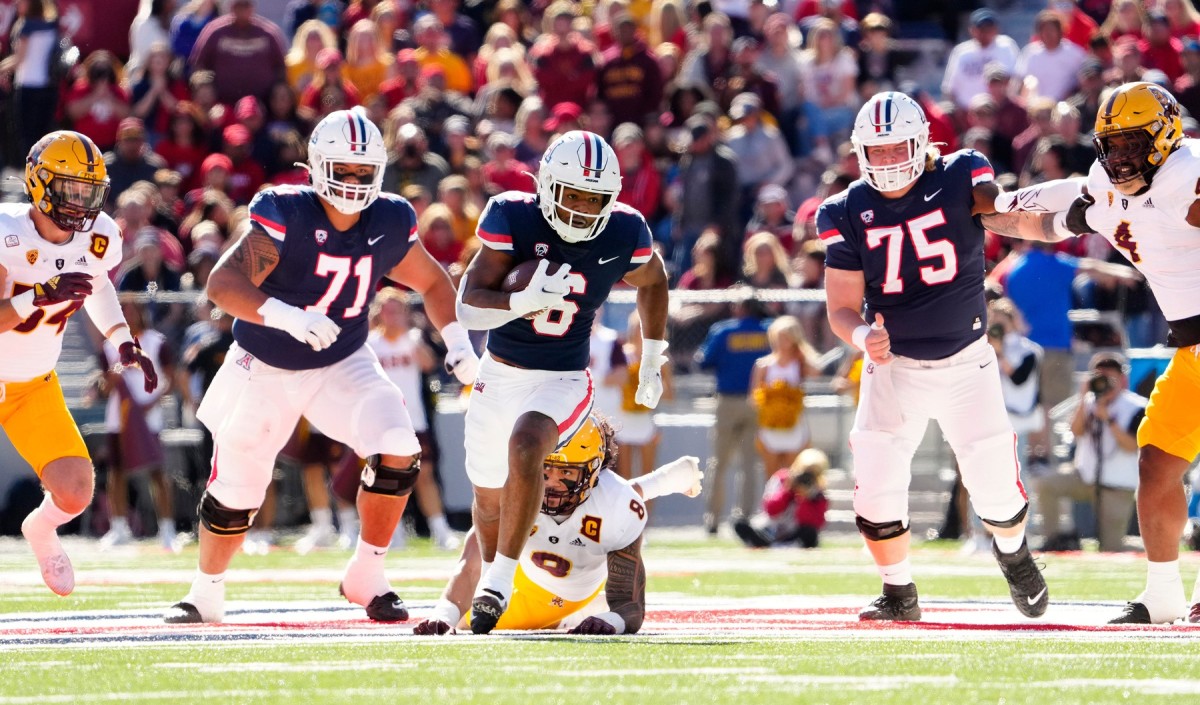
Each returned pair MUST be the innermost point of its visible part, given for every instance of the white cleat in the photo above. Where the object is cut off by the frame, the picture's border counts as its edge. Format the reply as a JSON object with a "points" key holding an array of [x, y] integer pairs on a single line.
{"points": [[56, 568]]}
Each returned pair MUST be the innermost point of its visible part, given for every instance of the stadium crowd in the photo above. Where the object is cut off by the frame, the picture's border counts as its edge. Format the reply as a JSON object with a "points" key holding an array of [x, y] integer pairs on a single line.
{"points": [[730, 120]]}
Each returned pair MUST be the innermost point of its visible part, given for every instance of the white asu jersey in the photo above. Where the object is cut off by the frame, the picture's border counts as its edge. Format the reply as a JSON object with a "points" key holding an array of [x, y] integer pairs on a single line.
{"points": [[571, 559], [1151, 230], [31, 349]]}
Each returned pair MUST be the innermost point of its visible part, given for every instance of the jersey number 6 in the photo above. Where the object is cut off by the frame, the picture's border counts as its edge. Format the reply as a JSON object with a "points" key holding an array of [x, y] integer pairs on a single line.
{"points": [[893, 281], [556, 320]]}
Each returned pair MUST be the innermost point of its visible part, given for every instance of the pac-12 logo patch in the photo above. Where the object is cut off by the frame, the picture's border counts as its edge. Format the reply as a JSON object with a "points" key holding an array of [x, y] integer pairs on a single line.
{"points": [[321, 236], [541, 249], [12, 241], [868, 216]]}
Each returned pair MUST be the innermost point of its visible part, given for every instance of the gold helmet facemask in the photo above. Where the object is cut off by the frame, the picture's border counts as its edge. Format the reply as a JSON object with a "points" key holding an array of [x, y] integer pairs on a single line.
{"points": [[587, 453], [66, 179], [1137, 127]]}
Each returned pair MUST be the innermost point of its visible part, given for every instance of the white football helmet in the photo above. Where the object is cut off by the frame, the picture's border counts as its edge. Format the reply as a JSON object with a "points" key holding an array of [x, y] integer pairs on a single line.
{"points": [[889, 118], [584, 161], [346, 137]]}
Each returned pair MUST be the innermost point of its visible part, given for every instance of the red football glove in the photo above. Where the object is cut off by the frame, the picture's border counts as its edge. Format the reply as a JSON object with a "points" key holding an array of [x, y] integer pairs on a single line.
{"points": [[72, 286], [132, 356], [432, 627]]}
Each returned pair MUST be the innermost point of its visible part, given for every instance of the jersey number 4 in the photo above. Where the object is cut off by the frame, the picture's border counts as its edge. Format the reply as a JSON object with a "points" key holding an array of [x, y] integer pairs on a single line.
{"points": [[893, 282], [556, 320], [339, 268]]}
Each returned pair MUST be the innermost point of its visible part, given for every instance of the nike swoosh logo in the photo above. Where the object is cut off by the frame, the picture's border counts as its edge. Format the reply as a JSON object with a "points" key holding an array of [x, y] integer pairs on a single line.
{"points": [[1035, 598], [374, 240], [930, 196], [380, 553], [985, 364], [606, 261]]}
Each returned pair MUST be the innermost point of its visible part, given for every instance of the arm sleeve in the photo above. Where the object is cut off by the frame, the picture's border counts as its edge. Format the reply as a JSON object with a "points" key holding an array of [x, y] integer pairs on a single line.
{"points": [[103, 307], [476, 318], [1026, 368], [832, 229]]}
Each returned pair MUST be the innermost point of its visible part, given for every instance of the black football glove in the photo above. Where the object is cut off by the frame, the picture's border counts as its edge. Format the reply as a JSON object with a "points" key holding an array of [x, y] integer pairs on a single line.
{"points": [[594, 626], [72, 286], [132, 356], [1077, 215], [432, 627]]}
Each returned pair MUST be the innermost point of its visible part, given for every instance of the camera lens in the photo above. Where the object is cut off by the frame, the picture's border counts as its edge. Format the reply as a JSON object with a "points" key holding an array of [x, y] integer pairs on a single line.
{"points": [[995, 331], [1099, 384]]}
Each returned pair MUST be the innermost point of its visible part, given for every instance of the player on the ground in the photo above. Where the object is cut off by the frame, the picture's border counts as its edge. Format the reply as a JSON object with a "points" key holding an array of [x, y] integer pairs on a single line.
{"points": [[1143, 195], [300, 283], [906, 238], [587, 537], [55, 259], [534, 388]]}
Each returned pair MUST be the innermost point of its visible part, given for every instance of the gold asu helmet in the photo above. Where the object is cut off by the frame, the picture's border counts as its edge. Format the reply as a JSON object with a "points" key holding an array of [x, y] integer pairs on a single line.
{"points": [[1136, 128], [66, 179], [588, 452]]}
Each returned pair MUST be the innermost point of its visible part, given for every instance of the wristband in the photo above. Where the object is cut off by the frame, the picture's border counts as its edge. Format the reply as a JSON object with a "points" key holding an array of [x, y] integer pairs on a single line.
{"points": [[653, 348], [455, 336], [23, 304], [859, 337], [615, 620], [274, 312], [120, 336]]}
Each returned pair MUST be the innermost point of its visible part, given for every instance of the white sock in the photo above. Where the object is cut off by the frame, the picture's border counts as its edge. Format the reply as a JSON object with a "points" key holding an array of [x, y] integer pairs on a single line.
{"points": [[40, 527], [485, 567], [896, 573], [446, 611], [1009, 544], [321, 518], [166, 528], [364, 579], [438, 526], [207, 595], [500, 576], [1163, 596], [120, 525], [50, 515]]}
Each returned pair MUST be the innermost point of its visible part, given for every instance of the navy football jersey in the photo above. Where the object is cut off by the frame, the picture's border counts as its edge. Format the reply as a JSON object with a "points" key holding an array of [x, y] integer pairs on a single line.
{"points": [[559, 338], [921, 255], [323, 269]]}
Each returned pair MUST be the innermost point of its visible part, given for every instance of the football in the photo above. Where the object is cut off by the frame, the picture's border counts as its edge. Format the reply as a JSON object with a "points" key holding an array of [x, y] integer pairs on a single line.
{"points": [[519, 276]]}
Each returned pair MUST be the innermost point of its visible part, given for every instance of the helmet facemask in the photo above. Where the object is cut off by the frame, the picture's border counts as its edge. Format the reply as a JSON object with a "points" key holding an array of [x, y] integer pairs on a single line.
{"points": [[1130, 159], [72, 203], [348, 138], [561, 502], [888, 119], [345, 196], [582, 161], [893, 177], [553, 206]]}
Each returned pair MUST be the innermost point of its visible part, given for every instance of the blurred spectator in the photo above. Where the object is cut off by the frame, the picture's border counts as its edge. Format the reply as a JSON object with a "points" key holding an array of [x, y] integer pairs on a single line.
{"points": [[131, 159], [1087, 99], [96, 102], [499, 36], [437, 234], [434, 104], [1050, 62], [297, 13], [463, 33], [782, 60], [1041, 124], [1160, 50], [966, 68], [772, 215], [793, 503], [1011, 116], [1187, 88], [151, 26], [710, 64], [391, 27], [730, 351], [1068, 126], [1077, 26], [691, 321], [169, 211], [243, 49], [159, 90], [833, 182], [432, 52], [418, 197], [564, 117], [1105, 475], [405, 82], [35, 38], [133, 419], [452, 191], [878, 57], [289, 159], [765, 266], [745, 77], [529, 129], [503, 172], [1184, 19], [300, 63], [564, 61], [216, 115], [704, 197], [247, 175], [206, 205], [1126, 18], [629, 81], [641, 183], [282, 111], [1019, 363], [329, 90], [458, 143], [200, 264], [809, 268], [188, 23], [762, 155], [666, 24], [411, 162], [829, 72], [777, 394], [184, 147], [367, 65], [249, 114]]}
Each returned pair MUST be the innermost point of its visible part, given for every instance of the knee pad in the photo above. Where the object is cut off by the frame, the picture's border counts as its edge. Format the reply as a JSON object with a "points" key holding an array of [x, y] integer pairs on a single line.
{"points": [[880, 531], [396, 482], [222, 520], [1008, 523]]}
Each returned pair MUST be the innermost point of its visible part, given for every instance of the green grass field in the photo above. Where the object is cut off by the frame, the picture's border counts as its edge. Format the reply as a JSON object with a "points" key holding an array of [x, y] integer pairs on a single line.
{"points": [[725, 626]]}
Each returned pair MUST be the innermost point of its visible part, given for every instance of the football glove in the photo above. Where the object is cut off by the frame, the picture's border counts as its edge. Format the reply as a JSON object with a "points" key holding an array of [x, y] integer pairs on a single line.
{"points": [[310, 327], [650, 385], [461, 359], [603, 624], [132, 356], [72, 286], [432, 627], [1077, 215], [544, 290]]}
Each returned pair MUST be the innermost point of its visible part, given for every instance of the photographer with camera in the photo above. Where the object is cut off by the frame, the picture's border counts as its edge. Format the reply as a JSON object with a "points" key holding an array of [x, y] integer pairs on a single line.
{"points": [[794, 505], [1106, 462]]}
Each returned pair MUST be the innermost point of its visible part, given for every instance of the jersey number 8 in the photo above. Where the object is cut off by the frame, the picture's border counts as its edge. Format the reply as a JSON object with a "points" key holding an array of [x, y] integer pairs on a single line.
{"points": [[556, 320]]}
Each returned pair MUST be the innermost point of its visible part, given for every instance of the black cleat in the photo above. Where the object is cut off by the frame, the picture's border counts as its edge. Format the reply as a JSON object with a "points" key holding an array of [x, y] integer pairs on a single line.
{"points": [[1025, 582], [183, 613], [898, 603], [486, 611], [749, 535], [387, 607], [1136, 613]]}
